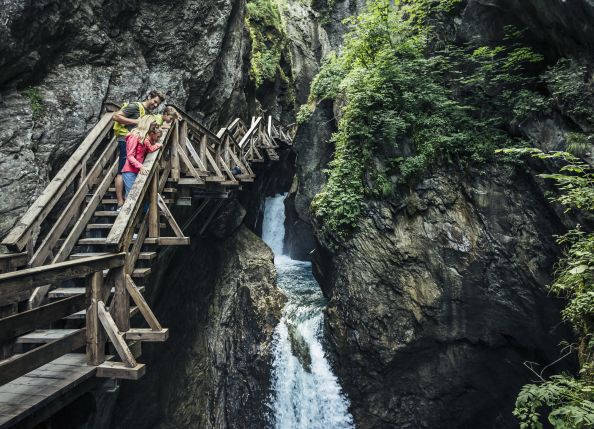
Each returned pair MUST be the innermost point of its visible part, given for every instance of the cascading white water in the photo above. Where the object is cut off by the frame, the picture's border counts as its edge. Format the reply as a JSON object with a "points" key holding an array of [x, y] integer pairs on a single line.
{"points": [[305, 392]]}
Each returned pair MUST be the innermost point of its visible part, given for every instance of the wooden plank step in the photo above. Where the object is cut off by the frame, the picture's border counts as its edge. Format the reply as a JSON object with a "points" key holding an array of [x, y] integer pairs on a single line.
{"points": [[214, 178], [99, 225], [120, 370], [86, 255], [47, 384], [147, 335], [82, 314], [170, 190], [42, 336], [106, 213], [65, 292]]}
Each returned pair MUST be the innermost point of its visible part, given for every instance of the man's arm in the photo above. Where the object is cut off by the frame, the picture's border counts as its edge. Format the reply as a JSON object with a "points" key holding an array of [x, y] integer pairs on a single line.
{"points": [[125, 116], [122, 119]]}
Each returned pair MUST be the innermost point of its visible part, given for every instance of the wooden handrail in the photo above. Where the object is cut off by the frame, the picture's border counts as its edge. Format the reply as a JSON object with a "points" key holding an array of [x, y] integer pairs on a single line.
{"points": [[255, 126], [17, 281], [18, 237], [194, 123]]}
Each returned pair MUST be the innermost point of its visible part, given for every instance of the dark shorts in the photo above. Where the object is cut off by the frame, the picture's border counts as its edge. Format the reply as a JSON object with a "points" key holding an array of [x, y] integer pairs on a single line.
{"points": [[122, 154]]}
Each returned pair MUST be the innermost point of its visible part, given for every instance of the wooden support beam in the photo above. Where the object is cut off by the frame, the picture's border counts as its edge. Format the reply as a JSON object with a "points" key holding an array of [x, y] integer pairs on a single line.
{"points": [[203, 149], [196, 158], [148, 335], [186, 161], [95, 335], [170, 219], [174, 159], [153, 214], [213, 163], [116, 337], [142, 305], [120, 306], [120, 370], [173, 241]]}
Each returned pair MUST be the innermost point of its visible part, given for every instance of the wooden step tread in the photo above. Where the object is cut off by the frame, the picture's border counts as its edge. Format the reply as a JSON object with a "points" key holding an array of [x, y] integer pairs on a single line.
{"points": [[106, 213], [42, 336], [83, 313], [65, 292], [99, 225]]}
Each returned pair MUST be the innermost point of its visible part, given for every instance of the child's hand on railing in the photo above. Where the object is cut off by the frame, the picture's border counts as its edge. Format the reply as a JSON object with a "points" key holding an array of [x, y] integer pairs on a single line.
{"points": [[144, 171]]}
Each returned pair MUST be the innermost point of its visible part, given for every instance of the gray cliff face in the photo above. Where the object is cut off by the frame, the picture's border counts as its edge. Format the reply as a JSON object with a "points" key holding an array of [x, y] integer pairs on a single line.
{"points": [[438, 300], [219, 300], [60, 60], [440, 296]]}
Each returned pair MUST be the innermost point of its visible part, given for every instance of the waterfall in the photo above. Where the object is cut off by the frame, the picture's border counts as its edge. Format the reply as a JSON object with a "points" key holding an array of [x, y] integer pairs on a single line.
{"points": [[305, 393]]}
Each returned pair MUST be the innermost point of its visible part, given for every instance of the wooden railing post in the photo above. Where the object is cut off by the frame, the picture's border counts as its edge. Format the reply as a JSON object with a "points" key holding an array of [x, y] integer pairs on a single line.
{"points": [[121, 301], [153, 214], [174, 155], [203, 149], [95, 335]]}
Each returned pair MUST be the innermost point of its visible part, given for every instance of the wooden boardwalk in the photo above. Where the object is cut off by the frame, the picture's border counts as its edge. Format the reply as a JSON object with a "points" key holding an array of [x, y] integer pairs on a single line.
{"points": [[67, 295]]}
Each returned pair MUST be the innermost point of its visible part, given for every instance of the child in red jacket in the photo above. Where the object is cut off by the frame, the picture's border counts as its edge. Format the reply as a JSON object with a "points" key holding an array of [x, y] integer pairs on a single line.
{"points": [[141, 140]]}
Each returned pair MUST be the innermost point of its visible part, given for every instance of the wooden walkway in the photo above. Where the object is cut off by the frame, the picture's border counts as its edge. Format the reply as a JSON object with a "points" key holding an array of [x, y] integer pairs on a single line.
{"points": [[77, 269]]}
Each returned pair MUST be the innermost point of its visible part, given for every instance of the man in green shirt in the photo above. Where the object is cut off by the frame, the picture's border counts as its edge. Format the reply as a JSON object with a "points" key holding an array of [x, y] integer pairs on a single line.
{"points": [[125, 120]]}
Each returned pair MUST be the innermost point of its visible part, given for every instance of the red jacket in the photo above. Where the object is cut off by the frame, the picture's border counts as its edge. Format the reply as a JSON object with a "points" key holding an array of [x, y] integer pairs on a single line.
{"points": [[135, 153]]}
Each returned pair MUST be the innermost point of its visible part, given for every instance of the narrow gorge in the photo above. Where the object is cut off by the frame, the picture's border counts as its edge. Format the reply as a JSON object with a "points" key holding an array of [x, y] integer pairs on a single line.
{"points": [[415, 251]]}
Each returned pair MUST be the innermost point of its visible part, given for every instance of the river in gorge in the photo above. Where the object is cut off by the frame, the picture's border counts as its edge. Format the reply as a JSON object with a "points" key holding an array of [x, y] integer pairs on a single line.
{"points": [[305, 393]]}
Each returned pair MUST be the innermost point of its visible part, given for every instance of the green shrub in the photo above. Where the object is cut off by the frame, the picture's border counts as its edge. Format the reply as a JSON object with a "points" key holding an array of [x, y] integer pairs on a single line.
{"points": [[573, 90], [568, 400], [269, 40], [450, 106], [35, 100], [578, 144]]}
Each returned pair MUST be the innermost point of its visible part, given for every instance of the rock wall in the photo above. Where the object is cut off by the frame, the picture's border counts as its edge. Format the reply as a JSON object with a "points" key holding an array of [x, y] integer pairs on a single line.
{"points": [[60, 60], [440, 298], [221, 309]]}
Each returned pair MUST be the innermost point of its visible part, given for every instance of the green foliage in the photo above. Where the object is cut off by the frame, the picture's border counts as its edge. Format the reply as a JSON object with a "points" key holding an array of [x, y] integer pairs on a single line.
{"points": [[448, 106], [326, 84], [577, 143], [569, 399], [572, 89], [35, 100], [269, 40]]}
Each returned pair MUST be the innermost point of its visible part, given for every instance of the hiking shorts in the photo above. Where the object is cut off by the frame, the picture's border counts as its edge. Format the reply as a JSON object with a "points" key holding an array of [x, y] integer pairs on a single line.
{"points": [[122, 154], [129, 179]]}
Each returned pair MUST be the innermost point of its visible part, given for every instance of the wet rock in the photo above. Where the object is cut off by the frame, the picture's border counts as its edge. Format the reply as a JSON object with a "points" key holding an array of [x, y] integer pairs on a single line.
{"points": [[299, 347], [434, 309], [221, 308]]}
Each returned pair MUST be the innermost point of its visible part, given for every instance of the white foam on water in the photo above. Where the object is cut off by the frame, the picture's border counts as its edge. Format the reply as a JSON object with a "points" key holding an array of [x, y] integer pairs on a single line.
{"points": [[302, 398]]}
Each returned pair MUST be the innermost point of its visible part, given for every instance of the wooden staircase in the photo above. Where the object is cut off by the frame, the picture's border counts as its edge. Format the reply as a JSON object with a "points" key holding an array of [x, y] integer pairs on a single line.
{"points": [[78, 268]]}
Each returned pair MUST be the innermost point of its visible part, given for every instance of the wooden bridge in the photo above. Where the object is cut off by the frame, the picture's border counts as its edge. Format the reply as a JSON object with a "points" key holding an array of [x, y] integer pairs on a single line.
{"points": [[76, 272]]}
